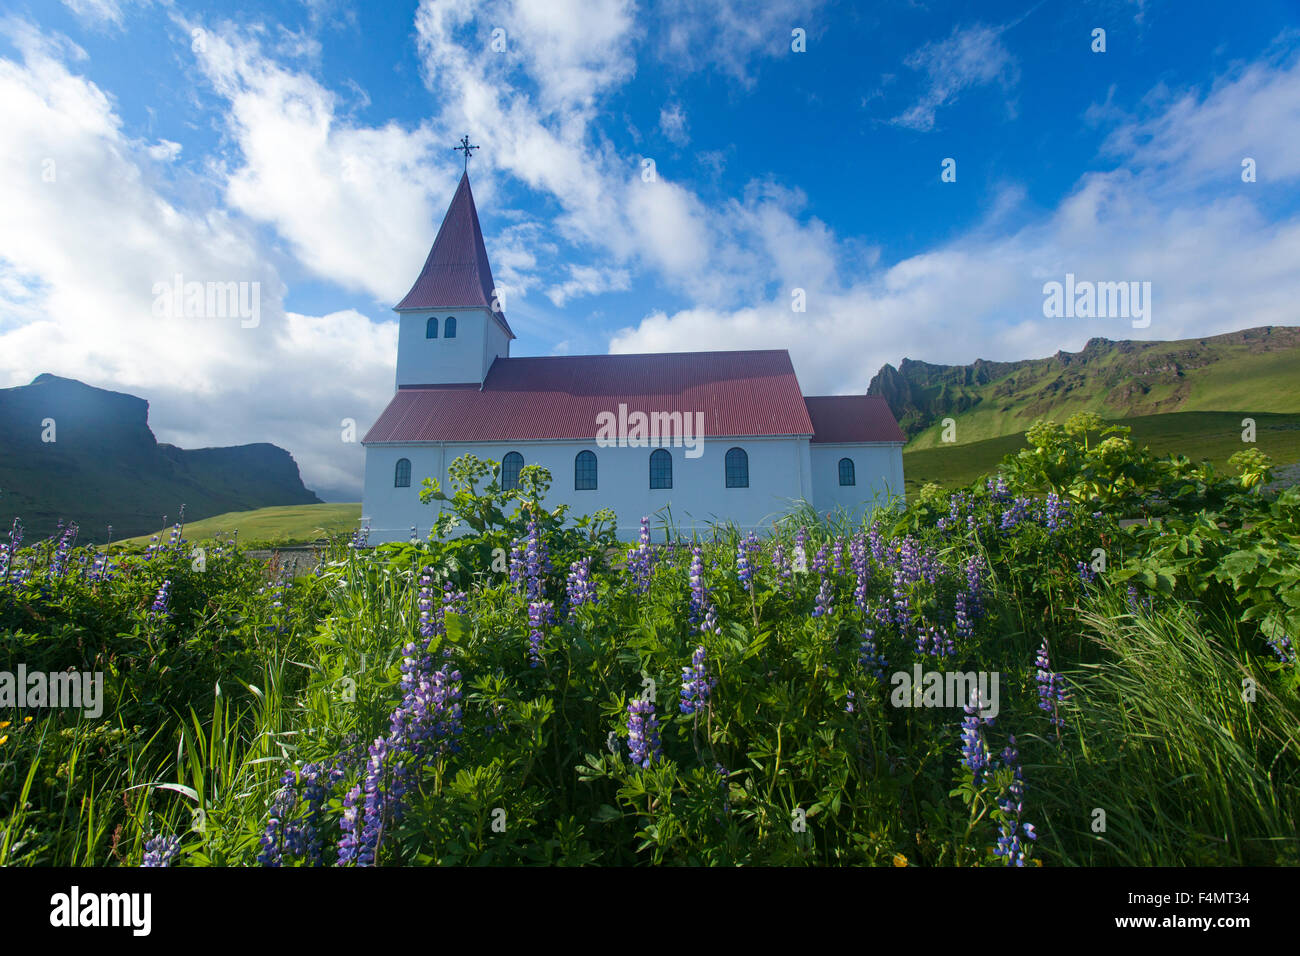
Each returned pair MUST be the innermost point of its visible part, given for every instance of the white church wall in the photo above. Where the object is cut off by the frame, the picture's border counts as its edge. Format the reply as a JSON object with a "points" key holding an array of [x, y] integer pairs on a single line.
{"points": [[495, 343], [444, 361], [780, 470], [878, 472]]}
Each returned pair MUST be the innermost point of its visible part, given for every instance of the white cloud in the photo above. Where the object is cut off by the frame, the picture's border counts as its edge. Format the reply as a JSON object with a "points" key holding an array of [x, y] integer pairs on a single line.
{"points": [[970, 57], [103, 14], [587, 280], [356, 204], [1252, 112], [731, 35], [672, 123], [86, 235], [164, 150]]}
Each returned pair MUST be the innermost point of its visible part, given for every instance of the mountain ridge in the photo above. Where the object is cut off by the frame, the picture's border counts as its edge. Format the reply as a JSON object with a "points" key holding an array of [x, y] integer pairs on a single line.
{"points": [[70, 451], [1246, 370]]}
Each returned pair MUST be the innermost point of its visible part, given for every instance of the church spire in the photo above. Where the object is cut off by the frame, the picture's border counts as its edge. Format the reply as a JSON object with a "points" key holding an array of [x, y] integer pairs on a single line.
{"points": [[456, 275]]}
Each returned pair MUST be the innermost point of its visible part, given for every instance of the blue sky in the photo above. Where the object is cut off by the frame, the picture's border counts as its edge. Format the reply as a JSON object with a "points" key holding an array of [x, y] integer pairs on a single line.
{"points": [[305, 145]]}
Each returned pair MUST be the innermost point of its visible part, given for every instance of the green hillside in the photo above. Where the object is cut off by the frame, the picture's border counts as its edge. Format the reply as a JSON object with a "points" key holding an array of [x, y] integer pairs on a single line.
{"points": [[1255, 369], [1198, 435], [288, 524]]}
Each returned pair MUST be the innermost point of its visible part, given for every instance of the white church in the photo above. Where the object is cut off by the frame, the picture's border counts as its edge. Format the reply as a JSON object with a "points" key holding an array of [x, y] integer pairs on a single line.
{"points": [[706, 437]]}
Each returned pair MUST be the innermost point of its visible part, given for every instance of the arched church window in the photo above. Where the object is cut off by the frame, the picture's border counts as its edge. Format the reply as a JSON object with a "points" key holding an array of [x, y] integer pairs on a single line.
{"points": [[449, 327], [402, 473], [584, 471], [737, 464], [846, 472], [510, 467], [661, 469], [431, 328]]}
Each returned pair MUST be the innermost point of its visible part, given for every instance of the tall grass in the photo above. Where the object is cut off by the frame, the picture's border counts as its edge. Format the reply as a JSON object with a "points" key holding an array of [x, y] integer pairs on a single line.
{"points": [[1183, 746]]}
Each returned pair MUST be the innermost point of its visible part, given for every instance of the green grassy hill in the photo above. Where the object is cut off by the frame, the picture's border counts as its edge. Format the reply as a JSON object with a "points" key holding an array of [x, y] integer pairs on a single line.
{"points": [[1198, 435], [1255, 369], [288, 524]]}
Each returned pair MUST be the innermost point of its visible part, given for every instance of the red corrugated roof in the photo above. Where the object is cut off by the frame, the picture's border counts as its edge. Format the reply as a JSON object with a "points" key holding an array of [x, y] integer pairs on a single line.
{"points": [[852, 418], [740, 394], [456, 275]]}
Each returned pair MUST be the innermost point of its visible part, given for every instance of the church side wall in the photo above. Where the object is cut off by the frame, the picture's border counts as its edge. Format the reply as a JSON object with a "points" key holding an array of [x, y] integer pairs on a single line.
{"points": [[779, 472], [878, 472]]}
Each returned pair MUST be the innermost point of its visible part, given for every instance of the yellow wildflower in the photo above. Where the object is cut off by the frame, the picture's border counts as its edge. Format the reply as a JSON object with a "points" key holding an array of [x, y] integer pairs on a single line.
{"points": [[900, 860]]}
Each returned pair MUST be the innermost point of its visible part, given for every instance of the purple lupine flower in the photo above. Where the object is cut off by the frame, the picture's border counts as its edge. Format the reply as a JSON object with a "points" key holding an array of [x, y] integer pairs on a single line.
{"points": [[161, 850], [428, 721], [858, 562], [837, 557], [640, 560], [699, 592], [10, 552], [537, 561], [930, 566], [975, 586], [1017, 513], [825, 596], [425, 604], [539, 613], [643, 732], [696, 684], [1137, 604], [819, 561], [974, 750], [778, 562], [848, 706], [997, 488], [579, 586], [878, 548], [1086, 574], [934, 641], [294, 833], [1011, 803], [424, 726], [743, 571], [367, 812], [1053, 512], [909, 560], [961, 620], [283, 804], [902, 611], [161, 601], [517, 565], [59, 565], [1280, 644], [1051, 686], [869, 656]]}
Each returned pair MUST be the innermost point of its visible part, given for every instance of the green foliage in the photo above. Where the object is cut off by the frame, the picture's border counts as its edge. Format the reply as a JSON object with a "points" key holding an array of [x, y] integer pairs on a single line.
{"points": [[801, 755]]}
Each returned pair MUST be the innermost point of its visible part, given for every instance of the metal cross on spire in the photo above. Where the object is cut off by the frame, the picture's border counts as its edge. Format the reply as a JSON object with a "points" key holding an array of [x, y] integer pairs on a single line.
{"points": [[465, 147]]}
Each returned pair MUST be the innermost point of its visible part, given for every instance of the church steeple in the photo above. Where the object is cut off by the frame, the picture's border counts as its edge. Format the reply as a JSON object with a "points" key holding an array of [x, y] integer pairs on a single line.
{"points": [[451, 326], [456, 275]]}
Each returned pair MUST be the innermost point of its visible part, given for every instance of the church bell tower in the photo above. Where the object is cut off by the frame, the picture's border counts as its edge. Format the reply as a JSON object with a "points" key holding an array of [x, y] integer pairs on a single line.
{"points": [[451, 324]]}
